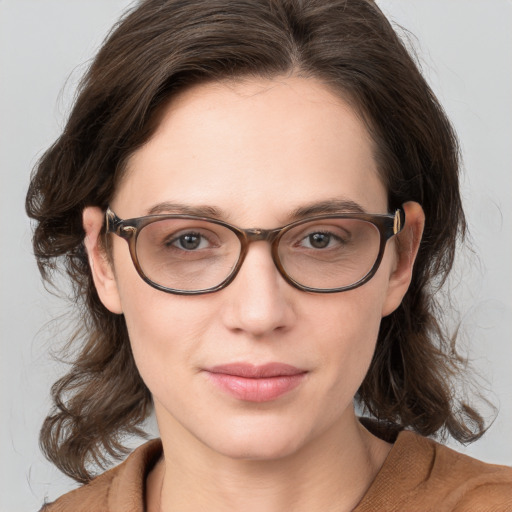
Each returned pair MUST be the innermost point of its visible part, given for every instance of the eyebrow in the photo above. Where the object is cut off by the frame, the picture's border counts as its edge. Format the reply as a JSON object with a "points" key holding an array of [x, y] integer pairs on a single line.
{"points": [[187, 209], [328, 206], [335, 205]]}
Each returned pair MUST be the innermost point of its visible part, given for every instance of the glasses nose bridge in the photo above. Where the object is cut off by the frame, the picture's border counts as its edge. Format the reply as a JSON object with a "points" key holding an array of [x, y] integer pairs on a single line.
{"points": [[261, 235], [258, 235]]}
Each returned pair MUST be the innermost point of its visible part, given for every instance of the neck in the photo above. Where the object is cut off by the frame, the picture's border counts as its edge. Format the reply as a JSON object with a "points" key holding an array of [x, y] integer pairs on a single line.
{"points": [[331, 473]]}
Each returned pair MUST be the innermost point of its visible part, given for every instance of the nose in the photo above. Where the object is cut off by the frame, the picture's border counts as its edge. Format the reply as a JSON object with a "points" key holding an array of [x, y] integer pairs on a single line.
{"points": [[258, 301]]}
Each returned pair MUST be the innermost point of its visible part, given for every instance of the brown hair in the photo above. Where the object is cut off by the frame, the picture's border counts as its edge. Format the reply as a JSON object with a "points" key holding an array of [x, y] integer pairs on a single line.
{"points": [[163, 46]]}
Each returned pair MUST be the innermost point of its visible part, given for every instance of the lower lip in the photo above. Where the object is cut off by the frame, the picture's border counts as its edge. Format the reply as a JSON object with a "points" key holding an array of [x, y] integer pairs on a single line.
{"points": [[262, 389]]}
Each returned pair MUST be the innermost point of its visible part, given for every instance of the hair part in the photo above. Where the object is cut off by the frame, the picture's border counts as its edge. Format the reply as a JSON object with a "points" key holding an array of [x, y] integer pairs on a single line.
{"points": [[162, 47]]}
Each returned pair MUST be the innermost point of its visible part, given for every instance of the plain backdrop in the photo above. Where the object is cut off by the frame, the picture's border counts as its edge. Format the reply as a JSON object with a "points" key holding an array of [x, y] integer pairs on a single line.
{"points": [[465, 50]]}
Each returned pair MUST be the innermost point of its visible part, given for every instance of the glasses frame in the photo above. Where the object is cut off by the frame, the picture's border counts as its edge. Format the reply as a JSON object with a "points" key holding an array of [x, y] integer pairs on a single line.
{"points": [[388, 226]]}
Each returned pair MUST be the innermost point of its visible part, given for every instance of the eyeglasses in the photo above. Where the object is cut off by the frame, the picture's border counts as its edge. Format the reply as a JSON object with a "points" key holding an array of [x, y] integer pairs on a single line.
{"points": [[190, 255]]}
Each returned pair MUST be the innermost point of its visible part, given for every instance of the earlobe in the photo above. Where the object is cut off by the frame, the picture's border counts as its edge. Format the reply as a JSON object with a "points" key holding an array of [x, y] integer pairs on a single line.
{"points": [[408, 242], [101, 267]]}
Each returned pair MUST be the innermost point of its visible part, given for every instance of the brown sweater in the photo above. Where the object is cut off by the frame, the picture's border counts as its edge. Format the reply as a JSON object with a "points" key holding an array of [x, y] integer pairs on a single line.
{"points": [[419, 475]]}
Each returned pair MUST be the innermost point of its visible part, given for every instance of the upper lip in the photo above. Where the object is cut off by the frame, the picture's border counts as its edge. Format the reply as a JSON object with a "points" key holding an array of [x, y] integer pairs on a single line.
{"points": [[252, 371]]}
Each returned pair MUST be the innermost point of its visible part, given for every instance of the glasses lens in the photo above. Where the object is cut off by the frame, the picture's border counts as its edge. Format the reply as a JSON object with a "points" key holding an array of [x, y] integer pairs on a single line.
{"points": [[329, 253], [187, 255]]}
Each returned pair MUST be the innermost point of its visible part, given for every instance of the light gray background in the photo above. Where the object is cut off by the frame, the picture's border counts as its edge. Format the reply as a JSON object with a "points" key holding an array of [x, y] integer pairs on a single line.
{"points": [[465, 47]]}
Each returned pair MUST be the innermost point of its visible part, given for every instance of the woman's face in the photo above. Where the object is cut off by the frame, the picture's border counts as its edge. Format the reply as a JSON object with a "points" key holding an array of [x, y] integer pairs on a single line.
{"points": [[253, 151]]}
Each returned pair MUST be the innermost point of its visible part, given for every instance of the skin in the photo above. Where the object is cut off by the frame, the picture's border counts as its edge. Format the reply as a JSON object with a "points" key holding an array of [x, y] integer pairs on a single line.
{"points": [[257, 150]]}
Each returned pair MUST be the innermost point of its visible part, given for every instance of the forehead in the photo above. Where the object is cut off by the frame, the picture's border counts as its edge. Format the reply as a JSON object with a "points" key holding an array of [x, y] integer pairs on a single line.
{"points": [[254, 146]]}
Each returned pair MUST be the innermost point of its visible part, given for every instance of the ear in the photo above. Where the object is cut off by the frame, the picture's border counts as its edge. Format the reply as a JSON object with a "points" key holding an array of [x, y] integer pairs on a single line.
{"points": [[407, 245], [101, 268]]}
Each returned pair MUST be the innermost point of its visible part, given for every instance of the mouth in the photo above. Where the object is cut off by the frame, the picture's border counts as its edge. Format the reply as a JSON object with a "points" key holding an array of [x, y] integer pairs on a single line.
{"points": [[252, 383]]}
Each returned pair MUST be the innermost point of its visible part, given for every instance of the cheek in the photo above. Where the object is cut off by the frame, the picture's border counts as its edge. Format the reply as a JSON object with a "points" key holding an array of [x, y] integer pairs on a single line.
{"points": [[354, 315], [346, 332], [164, 329]]}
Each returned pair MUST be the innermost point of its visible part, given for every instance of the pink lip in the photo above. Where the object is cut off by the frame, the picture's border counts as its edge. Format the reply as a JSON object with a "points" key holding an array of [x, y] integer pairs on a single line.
{"points": [[256, 383]]}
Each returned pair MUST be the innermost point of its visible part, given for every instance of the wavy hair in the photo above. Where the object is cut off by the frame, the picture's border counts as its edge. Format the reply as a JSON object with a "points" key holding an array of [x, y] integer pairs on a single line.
{"points": [[161, 47]]}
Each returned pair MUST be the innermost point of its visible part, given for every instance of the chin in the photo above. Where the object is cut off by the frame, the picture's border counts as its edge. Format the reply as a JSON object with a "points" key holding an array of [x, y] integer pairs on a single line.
{"points": [[256, 442], [258, 451]]}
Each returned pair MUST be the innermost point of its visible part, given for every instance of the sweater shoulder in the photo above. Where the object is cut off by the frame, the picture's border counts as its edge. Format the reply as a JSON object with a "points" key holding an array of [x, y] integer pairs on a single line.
{"points": [[470, 483], [421, 475], [118, 489]]}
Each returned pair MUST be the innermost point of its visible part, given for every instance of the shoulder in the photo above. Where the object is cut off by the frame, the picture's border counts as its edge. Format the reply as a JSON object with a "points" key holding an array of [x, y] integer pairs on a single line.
{"points": [[119, 489], [470, 483], [423, 475]]}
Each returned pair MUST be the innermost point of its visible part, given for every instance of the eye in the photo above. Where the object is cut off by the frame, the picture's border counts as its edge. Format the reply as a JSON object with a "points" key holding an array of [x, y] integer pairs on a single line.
{"points": [[190, 241], [320, 240]]}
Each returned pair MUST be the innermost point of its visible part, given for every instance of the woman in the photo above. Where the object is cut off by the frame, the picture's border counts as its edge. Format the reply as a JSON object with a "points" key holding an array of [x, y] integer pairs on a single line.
{"points": [[286, 186]]}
